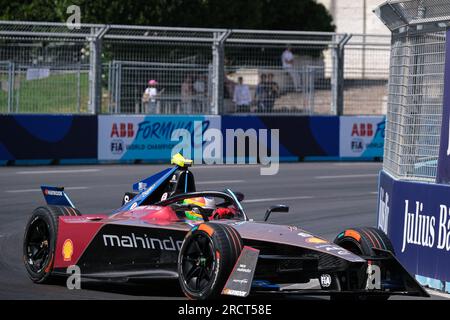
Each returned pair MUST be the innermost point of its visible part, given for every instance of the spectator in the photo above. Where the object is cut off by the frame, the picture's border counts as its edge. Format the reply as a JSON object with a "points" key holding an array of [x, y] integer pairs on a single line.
{"points": [[149, 99], [242, 97], [187, 92], [200, 92], [261, 94], [229, 87], [273, 91], [287, 59]]}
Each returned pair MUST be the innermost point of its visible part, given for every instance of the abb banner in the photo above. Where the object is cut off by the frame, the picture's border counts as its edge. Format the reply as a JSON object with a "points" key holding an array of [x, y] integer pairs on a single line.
{"points": [[145, 137], [361, 137]]}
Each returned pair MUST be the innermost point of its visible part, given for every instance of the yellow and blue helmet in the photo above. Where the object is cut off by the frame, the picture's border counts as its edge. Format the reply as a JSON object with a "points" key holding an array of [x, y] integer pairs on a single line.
{"points": [[202, 202]]}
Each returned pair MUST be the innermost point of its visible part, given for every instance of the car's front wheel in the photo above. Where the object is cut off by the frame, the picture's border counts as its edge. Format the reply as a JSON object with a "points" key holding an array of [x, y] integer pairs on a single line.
{"points": [[362, 241], [207, 257]]}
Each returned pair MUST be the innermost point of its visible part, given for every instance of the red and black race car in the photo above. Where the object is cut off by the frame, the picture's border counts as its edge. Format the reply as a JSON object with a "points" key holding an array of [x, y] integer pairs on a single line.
{"points": [[169, 230]]}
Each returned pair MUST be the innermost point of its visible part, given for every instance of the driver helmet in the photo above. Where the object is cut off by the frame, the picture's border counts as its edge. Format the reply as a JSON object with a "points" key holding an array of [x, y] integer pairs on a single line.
{"points": [[206, 203]]}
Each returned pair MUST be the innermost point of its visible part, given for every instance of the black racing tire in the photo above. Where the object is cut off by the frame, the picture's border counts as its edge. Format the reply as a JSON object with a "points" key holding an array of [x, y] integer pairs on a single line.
{"points": [[207, 257], [39, 241], [361, 242]]}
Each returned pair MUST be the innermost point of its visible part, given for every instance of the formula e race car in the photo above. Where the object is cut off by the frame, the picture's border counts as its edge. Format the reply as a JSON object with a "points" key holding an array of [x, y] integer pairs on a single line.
{"points": [[169, 230]]}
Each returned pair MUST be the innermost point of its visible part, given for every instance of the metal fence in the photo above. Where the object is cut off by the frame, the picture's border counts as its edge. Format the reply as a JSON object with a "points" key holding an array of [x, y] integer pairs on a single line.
{"points": [[48, 68], [416, 86]]}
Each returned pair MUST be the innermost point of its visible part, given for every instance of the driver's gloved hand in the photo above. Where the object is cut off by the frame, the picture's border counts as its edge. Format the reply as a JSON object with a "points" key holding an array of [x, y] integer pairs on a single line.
{"points": [[224, 213]]}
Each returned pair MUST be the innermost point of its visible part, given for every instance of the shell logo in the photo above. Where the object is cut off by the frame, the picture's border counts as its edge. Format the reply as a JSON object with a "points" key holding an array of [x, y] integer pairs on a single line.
{"points": [[67, 250]]}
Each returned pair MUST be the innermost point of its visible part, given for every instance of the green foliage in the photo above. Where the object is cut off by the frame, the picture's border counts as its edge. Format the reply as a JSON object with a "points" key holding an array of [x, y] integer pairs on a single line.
{"points": [[255, 14]]}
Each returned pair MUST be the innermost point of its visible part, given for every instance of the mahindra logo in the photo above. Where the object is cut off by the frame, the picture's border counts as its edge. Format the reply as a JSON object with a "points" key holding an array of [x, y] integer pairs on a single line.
{"points": [[143, 242]]}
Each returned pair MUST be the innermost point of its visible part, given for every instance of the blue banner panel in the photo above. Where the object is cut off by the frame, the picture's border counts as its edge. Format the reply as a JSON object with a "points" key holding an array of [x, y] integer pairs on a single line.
{"points": [[36, 137], [416, 217], [443, 171], [299, 136]]}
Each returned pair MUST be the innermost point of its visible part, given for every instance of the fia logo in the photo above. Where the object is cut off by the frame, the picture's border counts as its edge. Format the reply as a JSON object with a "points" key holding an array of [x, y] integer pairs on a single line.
{"points": [[325, 280], [116, 146], [357, 145]]}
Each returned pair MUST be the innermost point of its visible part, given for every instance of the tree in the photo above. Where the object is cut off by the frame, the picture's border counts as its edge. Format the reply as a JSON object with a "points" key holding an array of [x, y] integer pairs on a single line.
{"points": [[255, 14]]}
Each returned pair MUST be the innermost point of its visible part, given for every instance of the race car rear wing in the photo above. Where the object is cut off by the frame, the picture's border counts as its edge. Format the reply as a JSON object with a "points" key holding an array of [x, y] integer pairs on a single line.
{"points": [[55, 196]]}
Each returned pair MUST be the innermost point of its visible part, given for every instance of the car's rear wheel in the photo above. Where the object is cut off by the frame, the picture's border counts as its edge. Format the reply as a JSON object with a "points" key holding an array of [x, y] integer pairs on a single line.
{"points": [[40, 241], [361, 242], [206, 259]]}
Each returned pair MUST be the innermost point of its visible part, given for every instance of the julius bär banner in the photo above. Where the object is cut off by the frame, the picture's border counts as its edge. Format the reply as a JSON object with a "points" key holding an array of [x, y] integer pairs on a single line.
{"points": [[416, 217]]}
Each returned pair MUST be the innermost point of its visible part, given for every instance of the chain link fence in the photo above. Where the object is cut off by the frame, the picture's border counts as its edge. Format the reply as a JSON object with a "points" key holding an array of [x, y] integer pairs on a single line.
{"points": [[48, 68], [416, 86]]}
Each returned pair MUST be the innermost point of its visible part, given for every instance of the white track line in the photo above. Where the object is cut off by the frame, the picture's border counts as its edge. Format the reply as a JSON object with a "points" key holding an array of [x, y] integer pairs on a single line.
{"points": [[277, 199], [57, 171], [228, 166], [347, 176], [438, 294], [221, 182], [39, 190]]}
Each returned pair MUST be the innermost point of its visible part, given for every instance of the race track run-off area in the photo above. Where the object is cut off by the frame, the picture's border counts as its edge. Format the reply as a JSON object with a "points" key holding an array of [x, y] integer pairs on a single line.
{"points": [[324, 198]]}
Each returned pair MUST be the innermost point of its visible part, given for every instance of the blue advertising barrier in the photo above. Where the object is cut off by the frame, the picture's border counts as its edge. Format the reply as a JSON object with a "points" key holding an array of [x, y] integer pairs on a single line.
{"points": [[416, 217], [300, 138], [46, 138]]}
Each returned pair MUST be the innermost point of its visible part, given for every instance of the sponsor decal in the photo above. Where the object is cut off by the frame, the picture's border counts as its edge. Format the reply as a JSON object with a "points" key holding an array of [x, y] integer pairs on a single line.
{"points": [[240, 281], [141, 242], [55, 193], [117, 147], [237, 293], [243, 268], [146, 137], [362, 136], [423, 229], [325, 280], [67, 250], [315, 240], [304, 234], [333, 248]]}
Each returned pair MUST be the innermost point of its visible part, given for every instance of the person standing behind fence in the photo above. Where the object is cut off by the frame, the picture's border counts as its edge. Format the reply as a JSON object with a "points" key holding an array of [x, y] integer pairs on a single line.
{"points": [[242, 97], [186, 95], [149, 99], [200, 92], [273, 92], [287, 59], [261, 94]]}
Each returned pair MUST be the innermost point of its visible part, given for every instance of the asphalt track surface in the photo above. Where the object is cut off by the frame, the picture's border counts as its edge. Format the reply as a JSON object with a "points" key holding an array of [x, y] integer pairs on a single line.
{"points": [[325, 198]]}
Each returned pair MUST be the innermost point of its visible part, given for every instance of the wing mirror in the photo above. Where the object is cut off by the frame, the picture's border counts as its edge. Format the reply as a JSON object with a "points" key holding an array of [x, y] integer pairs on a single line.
{"points": [[240, 196], [279, 208]]}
